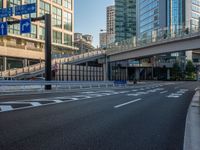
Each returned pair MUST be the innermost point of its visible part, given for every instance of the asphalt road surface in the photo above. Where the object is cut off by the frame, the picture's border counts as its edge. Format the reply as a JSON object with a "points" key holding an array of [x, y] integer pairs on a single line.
{"points": [[146, 117]]}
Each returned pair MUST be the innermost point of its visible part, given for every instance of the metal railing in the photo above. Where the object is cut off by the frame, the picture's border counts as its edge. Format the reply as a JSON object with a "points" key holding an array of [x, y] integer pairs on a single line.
{"points": [[40, 66], [158, 36], [16, 85]]}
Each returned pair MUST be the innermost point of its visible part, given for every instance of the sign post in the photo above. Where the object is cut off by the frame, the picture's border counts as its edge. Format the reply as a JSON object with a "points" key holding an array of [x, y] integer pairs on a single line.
{"points": [[48, 50], [25, 27]]}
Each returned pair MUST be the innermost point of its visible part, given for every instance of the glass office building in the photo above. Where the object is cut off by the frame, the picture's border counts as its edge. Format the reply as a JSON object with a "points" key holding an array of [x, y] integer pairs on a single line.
{"points": [[151, 15], [125, 19]]}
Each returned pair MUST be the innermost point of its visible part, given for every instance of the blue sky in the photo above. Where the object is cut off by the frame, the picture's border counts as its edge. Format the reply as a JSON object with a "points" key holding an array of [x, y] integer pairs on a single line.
{"points": [[90, 17]]}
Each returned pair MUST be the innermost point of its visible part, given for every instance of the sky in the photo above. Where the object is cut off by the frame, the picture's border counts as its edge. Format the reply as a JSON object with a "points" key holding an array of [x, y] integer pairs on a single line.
{"points": [[90, 17]]}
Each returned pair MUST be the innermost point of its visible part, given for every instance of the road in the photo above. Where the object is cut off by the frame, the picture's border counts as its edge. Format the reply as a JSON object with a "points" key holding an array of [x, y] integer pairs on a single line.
{"points": [[145, 117]]}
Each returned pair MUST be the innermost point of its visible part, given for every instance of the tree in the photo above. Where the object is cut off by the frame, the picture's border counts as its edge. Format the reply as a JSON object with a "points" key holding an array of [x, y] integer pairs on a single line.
{"points": [[190, 69], [176, 71]]}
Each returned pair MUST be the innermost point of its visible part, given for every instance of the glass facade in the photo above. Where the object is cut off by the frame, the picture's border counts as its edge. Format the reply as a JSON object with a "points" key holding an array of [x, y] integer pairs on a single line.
{"points": [[125, 19], [1, 3], [195, 7], [175, 13], [148, 17], [57, 17]]}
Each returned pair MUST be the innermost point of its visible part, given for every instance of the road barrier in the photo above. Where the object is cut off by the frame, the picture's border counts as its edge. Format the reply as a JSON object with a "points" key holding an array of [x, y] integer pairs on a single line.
{"points": [[16, 85]]}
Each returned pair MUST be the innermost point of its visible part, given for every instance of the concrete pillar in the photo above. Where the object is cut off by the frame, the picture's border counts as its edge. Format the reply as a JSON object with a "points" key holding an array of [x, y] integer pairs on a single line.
{"points": [[145, 73], [86, 71], [105, 69], [4, 63], [137, 73], [168, 74], [25, 62], [152, 77]]}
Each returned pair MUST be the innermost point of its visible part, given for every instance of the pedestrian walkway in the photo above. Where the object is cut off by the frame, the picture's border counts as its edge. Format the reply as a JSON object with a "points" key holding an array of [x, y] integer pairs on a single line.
{"points": [[192, 129]]}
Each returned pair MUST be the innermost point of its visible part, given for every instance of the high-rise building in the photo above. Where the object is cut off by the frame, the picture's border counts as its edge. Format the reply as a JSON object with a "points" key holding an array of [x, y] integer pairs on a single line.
{"points": [[125, 19], [110, 19], [110, 24], [18, 50], [154, 14], [151, 15], [83, 42]]}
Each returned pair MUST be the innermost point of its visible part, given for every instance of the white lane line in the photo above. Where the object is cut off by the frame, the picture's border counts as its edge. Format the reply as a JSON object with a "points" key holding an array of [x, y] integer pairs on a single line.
{"points": [[133, 94], [163, 92], [22, 102], [35, 104], [121, 105], [5, 108]]}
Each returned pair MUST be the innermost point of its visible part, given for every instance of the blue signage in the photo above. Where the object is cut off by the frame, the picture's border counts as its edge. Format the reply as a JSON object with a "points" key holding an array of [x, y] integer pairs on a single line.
{"points": [[25, 9], [3, 28], [6, 12], [25, 26]]}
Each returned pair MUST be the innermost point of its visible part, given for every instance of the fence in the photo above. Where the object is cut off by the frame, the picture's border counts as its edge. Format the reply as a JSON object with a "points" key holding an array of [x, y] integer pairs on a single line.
{"points": [[68, 72]]}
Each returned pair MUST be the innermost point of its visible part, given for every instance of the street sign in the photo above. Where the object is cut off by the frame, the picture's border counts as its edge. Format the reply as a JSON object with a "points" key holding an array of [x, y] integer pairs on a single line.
{"points": [[25, 9], [6, 12], [25, 26], [3, 28]]}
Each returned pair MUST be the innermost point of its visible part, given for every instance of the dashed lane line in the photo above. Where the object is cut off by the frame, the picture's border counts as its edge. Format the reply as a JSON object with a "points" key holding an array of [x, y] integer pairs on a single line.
{"points": [[163, 92], [127, 103]]}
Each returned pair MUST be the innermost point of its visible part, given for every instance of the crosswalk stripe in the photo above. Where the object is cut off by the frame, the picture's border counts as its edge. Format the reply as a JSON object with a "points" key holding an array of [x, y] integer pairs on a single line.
{"points": [[6, 107]]}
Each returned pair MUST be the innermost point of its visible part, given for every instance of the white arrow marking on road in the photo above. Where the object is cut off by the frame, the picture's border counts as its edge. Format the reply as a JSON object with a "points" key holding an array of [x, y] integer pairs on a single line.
{"points": [[25, 25], [6, 108], [120, 105]]}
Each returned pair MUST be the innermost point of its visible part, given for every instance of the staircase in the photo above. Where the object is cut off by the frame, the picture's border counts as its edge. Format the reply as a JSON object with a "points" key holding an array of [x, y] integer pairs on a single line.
{"points": [[37, 69]]}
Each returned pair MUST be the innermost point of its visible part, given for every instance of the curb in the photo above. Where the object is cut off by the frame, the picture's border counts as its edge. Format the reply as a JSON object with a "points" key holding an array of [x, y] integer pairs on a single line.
{"points": [[192, 126]]}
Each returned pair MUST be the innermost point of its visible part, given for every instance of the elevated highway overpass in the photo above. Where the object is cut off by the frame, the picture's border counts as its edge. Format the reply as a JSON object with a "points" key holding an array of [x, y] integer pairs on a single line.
{"points": [[133, 49]]}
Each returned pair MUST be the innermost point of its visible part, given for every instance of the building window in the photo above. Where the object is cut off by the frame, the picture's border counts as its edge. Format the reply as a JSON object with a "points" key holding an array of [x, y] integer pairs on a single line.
{"points": [[12, 3], [44, 8], [57, 17], [13, 29], [67, 21], [57, 37], [33, 31], [68, 4], [58, 1], [1, 4], [41, 33], [68, 39]]}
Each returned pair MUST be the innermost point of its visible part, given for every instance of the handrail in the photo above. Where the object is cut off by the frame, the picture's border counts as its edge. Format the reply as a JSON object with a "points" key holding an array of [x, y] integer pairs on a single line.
{"points": [[40, 66]]}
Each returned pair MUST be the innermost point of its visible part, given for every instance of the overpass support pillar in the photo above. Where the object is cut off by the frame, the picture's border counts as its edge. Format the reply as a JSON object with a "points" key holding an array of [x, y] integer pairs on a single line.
{"points": [[105, 69], [4, 63], [25, 62], [137, 73], [168, 74]]}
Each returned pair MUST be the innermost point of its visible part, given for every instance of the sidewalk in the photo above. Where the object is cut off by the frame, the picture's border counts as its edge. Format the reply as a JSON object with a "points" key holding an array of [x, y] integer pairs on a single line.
{"points": [[192, 128]]}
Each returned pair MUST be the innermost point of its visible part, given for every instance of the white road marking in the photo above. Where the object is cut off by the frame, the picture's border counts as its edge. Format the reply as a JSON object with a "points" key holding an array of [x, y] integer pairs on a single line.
{"points": [[5, 108], [134, 90], [163, 92], [23, 102], [133, 94], [122, 92], [121, 105]]}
